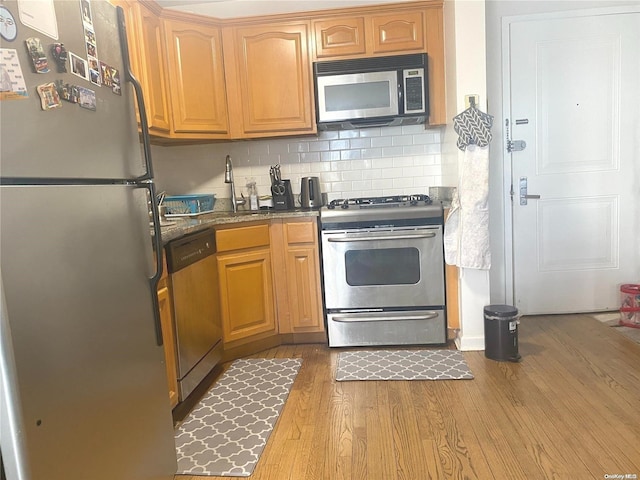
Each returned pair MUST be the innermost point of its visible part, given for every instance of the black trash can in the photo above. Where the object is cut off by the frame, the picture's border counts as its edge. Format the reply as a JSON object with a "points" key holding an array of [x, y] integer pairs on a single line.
{"points": [[501, 333]]}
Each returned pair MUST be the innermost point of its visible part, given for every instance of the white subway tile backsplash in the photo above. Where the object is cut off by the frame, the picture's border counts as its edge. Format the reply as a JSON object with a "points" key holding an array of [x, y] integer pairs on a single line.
{"points": [[350, 155], [299, 147], [392, 151], [382, 162], [330, 156], [341, 166], [369, 132], [310, 157], [355, 143], [381, 141], [351, 175], [348, 134], [401, 140], [369, 161], [413, 149], [339, 144], [399, 162], [371, 152], [319, 146]]}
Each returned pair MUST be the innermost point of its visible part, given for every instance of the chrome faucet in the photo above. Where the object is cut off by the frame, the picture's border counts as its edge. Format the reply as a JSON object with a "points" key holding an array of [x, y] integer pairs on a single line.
{"points": [[228, 178]]}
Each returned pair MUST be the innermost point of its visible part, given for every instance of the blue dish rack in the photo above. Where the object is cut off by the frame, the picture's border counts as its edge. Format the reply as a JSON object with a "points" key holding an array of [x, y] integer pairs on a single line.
{"points": [[188, 204]]}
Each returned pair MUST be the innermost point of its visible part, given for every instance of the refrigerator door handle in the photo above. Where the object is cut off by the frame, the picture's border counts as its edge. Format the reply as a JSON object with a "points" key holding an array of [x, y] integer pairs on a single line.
{"points": [[157, 250], [142, 111]]}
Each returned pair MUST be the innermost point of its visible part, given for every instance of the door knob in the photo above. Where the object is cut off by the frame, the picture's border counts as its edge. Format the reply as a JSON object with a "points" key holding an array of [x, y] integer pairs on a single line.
{"points": [[524, 196]]}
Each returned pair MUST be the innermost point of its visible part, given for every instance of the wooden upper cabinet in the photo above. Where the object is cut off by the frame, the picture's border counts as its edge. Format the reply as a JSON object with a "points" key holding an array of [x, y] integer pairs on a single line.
{"points": [[196, 79], [339, 36], [388, 30], [268, 76], [397, 33], [152, 70]]}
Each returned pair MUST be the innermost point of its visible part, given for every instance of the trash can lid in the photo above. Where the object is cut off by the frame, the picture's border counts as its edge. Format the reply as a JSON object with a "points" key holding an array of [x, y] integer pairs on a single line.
{"points": [[501, 310]]}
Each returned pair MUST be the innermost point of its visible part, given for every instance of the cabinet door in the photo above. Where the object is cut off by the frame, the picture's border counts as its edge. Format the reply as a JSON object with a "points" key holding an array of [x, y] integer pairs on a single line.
{"points": [[196, 78], [339, 36], [246, 294], [166, 320], [152, 66], [269, 80], [303, 280], [400, 32]]}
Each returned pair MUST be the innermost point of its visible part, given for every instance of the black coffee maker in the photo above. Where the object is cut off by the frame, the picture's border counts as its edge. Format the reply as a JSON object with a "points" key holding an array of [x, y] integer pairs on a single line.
{"points": [[280, 190]]}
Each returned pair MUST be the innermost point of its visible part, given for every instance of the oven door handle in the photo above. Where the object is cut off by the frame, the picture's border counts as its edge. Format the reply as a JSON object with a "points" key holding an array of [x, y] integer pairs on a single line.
{"points": [[382, 318], [381, 237]]}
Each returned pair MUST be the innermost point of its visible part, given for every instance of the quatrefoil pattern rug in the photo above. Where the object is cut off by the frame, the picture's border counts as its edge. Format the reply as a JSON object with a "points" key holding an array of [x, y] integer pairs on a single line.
{"points": [[227, 431], [402, 365]]}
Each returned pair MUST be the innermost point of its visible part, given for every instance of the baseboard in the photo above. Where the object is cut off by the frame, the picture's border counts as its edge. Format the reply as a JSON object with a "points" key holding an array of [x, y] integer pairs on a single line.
{"points": [[469, 343]]}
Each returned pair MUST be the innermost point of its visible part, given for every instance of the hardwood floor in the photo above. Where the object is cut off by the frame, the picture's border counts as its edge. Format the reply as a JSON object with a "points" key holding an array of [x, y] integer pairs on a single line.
{"points": [[570, 409]]}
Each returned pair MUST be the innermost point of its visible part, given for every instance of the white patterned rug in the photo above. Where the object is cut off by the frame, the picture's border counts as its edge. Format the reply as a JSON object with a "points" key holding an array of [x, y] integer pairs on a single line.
{"points": [[226, 433], [402, 365]]}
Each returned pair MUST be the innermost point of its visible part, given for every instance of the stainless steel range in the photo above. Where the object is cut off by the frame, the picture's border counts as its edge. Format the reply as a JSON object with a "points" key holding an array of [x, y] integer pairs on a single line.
{"points": [[383, 271]]}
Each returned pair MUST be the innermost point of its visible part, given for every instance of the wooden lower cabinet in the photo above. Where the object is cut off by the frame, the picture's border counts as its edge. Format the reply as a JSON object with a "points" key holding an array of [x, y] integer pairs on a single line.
{"points": [[245, 283], [168, 336], [246, 293], [297, 257]]}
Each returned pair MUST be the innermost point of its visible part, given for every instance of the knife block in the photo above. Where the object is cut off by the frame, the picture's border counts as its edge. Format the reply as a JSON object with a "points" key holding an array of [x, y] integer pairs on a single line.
{"points": [[285, 200]]}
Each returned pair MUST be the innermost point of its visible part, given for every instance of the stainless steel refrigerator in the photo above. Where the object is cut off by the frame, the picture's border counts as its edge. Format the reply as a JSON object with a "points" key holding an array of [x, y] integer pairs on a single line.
{"points": [[83, 389]]}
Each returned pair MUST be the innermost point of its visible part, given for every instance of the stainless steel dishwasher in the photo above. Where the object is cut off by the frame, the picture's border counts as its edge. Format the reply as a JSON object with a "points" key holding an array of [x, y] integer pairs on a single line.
{"points": [[196, 306]]}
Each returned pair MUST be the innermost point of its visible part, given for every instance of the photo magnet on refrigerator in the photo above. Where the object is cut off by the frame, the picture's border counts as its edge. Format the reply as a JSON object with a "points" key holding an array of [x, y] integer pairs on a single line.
{"points": [[49, 97], [60, 56], [38, 57]]}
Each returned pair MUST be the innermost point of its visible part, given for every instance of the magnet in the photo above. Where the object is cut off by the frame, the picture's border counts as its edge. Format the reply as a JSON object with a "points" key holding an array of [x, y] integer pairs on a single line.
{"points": [[66, 92], [60, 55], [79, 66], [87, 98], [49, 97], [8, 27], [38, 57]]}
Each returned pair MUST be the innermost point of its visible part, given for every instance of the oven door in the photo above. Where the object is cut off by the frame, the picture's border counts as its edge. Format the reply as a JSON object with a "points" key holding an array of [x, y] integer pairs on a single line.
{"points": [[384, 268]]}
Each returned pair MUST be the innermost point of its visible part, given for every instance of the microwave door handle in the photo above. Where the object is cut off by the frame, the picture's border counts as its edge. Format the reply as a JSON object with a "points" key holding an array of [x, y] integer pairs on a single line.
{"points": [[381, 237]]}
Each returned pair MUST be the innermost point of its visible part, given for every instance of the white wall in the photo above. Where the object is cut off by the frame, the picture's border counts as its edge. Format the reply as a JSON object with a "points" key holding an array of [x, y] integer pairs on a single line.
{"points": [[350, 163], [464, 26], [498, 198]]}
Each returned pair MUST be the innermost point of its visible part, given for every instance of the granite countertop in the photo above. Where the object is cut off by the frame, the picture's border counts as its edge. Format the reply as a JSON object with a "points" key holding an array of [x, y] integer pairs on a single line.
{"points": [[186, 225]]}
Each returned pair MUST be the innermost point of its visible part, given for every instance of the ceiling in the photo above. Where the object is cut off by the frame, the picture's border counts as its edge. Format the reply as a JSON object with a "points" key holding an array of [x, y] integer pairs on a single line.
{"points": [[246, 8]]}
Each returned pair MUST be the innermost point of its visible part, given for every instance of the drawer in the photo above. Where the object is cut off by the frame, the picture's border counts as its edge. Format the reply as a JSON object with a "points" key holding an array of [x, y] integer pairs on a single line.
{"points": [[242, 237], [300, 232]]}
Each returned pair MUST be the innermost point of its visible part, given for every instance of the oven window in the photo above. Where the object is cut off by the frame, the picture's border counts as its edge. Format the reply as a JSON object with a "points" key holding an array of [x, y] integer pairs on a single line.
{"points": [[383, 266]]}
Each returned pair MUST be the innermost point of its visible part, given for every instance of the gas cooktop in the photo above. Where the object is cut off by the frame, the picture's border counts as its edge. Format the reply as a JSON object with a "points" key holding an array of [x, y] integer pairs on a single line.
{"points": [[377, 211], [389, 201]]}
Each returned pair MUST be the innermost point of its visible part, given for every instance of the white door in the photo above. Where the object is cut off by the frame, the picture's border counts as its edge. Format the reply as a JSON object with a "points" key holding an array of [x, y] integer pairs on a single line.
{"points": [[575, 100]]}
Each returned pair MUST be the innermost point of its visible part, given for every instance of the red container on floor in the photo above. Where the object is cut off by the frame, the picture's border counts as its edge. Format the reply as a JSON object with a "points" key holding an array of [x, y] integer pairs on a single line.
{"points": [[630, 305]]}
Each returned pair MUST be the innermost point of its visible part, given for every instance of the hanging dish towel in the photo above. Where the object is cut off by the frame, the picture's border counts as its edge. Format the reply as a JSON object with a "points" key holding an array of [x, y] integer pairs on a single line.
{"points": [[466, 230], [473, 127]]}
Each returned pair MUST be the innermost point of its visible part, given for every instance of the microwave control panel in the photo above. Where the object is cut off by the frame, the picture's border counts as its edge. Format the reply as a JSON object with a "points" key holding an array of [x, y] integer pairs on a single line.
{"points": [[414, 92]]}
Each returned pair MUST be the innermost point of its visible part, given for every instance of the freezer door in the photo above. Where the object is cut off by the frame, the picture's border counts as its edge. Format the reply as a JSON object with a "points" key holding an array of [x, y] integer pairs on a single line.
{"points": [[88, 384], [70, 141]]}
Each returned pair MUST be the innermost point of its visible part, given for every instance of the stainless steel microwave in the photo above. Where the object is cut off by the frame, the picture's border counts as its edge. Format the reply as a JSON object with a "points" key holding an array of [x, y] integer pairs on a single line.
{"points": [[366, 92]]}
